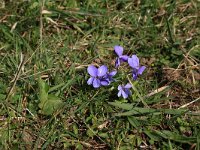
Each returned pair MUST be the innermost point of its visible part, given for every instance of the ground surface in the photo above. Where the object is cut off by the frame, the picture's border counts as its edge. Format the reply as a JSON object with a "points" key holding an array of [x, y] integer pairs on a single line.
{"points": [[46, 47]]}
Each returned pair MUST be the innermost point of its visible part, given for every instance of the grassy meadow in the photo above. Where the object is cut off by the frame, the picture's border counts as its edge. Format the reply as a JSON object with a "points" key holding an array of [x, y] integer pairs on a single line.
{"points": [[46, 47]]}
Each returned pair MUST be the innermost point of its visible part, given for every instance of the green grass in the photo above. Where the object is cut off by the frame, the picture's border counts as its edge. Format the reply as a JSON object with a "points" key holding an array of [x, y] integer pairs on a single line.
{"points": [[45, 48]]}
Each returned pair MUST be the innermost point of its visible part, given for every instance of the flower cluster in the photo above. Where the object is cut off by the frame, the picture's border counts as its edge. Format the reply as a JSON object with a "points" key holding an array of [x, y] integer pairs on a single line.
{"points": [[102, 77], [99, 76]]}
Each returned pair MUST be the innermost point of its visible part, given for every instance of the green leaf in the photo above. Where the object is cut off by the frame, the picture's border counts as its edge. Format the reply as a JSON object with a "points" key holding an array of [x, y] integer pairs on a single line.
{"points": [[91, 132], [56, 87], [152, 135], [48, 103], [143, 111], [43, 91], [103, 135], [52, 104], [175, 137], [136, 111], [134, 122], [126, 106]]}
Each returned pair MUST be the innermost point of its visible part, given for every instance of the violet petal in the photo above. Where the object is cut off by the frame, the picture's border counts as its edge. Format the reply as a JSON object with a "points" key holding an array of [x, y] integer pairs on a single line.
{"points": [[124, 94], [96, 83], [141, 69], [102, 71], [90, 80], [134, 62], [92, 70], [118, 50], [119, 93], [112, 73], [104, 82], [134, 76], [128, 86], [119, 87], [124, 58], [117, 63]]}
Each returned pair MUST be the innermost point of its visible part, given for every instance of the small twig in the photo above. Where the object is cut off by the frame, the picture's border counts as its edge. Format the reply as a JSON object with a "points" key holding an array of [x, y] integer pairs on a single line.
{"points": [[157, 91], [16, 77], [41, 21], [187, 67], [38, 73], [37, 49], [188, 53], [30, 112], [183, 106]]}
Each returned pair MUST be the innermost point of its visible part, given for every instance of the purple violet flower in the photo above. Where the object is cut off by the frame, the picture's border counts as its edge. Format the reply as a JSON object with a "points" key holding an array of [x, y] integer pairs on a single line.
{"points": [[137, 69], [124, 91], [121, 58], [99, 76], [110, 75]]}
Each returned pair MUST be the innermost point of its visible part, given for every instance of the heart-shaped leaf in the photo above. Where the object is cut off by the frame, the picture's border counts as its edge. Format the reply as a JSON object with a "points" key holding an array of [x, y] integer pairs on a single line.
{"points": [[48, 102]]}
